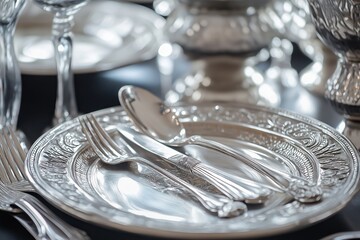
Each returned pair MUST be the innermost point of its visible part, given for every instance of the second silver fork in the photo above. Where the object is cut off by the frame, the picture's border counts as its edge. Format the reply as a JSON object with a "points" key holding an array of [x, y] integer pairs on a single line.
{"points": [[43, 223], [114, 153]]}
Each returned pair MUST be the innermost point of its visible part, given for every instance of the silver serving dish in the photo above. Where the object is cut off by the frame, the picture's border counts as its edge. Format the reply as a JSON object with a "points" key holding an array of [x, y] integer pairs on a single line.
{"points": [[64, 169]]}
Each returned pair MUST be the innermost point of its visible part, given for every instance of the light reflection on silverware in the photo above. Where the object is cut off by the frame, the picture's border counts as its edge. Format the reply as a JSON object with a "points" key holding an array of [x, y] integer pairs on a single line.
{"points": [[159, 122], [113, 153]]}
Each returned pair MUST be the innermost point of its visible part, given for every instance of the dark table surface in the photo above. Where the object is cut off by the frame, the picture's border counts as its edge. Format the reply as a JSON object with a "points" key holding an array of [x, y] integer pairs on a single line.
{"points": [[99, 90]]}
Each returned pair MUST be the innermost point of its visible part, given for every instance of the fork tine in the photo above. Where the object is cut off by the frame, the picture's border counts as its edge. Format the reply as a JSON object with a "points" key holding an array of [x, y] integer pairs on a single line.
{"points": [[4, 174], [93, 138], [105, 138], [86, 130], [16, 141], [17, 151], [7, 159]]}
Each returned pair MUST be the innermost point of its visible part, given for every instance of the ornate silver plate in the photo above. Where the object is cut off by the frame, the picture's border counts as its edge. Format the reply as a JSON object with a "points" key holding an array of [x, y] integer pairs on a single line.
{"points": [[131, 197], [107, 34]]}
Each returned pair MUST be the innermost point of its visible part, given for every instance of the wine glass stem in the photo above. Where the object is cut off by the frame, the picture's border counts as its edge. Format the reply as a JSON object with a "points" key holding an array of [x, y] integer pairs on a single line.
{"points": [[10, 78], [65, 108]]}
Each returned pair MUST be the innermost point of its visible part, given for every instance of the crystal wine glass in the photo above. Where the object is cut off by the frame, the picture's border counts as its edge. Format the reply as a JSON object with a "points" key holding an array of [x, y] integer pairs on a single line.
{"points": [[63, 22], [10, 77]]}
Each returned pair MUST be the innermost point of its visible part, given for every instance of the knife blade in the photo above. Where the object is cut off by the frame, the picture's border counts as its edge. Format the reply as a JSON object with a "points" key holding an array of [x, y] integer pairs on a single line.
{"points": [[169, 154]]}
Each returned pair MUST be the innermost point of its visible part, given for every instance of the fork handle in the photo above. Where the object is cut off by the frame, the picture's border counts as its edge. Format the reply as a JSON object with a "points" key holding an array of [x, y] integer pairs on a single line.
{"points": [[47, 224], [27, 223]]}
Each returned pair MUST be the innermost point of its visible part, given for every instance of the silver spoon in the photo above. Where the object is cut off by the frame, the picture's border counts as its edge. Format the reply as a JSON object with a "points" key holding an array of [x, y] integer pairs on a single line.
{"points": [[158, 121]]}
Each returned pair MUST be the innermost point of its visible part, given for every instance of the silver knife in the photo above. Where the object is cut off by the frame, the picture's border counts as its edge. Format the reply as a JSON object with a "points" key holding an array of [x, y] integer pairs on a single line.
{"points": [[228, 184]]}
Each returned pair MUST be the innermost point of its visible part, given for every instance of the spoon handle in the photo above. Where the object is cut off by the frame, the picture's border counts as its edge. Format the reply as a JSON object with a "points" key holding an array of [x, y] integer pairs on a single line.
{"points": [[299, 188]]}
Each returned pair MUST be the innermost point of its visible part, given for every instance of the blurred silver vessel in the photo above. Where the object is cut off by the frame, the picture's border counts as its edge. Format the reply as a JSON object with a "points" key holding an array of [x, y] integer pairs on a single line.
{"points": [[337, 23], [293, 21], [222, 42], [315, 76]]}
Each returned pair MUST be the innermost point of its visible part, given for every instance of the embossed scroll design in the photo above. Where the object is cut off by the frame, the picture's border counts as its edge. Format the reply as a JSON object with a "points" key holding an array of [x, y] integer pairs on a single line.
{"points": [[54, 166], [55, 170], [57, 156]]}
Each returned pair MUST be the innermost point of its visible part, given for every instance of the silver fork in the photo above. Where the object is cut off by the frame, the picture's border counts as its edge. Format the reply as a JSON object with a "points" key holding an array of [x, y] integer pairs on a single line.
{"points": [[43, 223], [114, 153], [12, 156]]}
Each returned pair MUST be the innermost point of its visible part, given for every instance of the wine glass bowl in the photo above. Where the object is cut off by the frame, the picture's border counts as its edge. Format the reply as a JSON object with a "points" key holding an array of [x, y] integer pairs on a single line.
{"points": [[63, 21], [61, 6], [337, 23]]}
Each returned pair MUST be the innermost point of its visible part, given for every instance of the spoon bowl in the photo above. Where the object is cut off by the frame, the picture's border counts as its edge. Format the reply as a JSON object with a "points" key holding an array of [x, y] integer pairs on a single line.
{"points": [[153, 118], [160, 122]]}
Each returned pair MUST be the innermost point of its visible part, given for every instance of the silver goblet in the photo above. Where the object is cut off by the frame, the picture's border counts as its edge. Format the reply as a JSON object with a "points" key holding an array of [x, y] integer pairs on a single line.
{"points": [[337, 23]]}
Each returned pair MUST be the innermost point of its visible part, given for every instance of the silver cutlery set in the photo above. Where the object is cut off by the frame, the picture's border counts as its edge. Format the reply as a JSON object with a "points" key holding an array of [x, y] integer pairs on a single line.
{"points": [[148, 113], [235, 189], [111, 168], [233, 193], [111, 153]]}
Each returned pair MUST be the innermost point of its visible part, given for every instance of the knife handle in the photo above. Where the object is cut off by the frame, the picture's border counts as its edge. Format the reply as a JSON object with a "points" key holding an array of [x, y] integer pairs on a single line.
{"points": [[234, 187], [184, 162], [299, 188]]}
